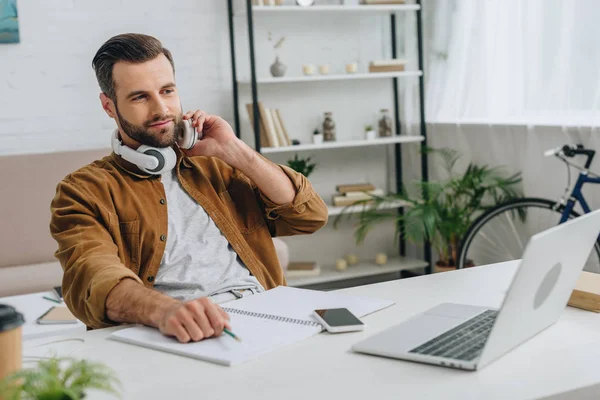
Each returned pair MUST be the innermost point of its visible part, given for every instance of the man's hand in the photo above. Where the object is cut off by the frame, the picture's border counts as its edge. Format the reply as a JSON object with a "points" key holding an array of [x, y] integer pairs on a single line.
{"points": [[194, 320], [218, 138]]}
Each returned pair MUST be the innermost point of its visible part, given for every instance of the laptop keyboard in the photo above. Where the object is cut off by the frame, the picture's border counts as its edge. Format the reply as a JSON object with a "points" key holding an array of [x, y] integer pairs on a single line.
{"points": [[463, 342]]}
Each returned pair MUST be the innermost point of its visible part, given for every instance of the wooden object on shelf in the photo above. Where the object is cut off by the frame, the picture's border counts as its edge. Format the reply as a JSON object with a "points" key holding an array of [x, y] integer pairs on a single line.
{"points": [[302, 265], [264, 139], [341, 201], [354, 187], [586, 294], [297, 269], [390, 65]]}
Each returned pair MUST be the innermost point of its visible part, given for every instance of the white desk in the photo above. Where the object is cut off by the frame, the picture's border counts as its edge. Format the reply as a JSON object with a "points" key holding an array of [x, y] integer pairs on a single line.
{"points": [[32, 306], [563, 358]]}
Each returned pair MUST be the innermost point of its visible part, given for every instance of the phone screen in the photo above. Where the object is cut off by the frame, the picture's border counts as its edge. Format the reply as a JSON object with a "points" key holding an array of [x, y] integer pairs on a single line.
{"points": [[58, 290], [338, 317]]}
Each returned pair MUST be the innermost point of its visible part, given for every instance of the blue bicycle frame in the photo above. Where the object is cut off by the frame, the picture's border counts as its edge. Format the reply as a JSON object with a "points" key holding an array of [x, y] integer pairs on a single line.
{"points": [[577, 196]]}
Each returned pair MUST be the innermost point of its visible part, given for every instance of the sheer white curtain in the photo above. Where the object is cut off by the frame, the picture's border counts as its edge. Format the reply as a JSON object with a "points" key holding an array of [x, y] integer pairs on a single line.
{"points": [[514, 61]]}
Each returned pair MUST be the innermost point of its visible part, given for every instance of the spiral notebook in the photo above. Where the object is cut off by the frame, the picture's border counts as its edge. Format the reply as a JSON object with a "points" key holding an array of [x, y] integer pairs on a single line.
{"points": [[265, 322]]}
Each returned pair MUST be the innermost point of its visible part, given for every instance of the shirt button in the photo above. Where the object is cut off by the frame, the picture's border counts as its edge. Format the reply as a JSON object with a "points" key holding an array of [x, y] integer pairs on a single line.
{"points": [[163, 238], [150, 278], [162, 201]]}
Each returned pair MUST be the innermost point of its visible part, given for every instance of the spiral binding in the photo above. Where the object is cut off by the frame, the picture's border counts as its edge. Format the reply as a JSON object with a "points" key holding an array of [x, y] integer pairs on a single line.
{"points": [[272, 317]]}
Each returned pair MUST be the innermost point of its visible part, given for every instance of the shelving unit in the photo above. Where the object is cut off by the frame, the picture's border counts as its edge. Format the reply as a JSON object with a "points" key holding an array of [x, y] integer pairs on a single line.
{"points": [[344, 77], [361, 270], [250, 12], [375, 8]]}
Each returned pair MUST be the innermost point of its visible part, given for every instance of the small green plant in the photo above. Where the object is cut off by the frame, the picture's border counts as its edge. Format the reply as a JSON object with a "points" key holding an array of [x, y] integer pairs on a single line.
{"points": [[53, 379], [302, 165], [368, 128]]}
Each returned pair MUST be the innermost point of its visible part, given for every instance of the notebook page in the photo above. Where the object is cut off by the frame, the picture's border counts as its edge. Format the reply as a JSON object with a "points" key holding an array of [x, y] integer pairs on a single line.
{"points": [[298, 303], [259, 336]]}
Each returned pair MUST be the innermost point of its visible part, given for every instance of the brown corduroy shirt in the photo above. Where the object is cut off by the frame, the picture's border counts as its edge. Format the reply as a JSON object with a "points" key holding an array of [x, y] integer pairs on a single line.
{"points": [[110, 222]]}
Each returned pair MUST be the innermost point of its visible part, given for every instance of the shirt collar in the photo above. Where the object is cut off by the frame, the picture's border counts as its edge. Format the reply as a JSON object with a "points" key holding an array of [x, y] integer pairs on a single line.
{"points": [[132, 169]]}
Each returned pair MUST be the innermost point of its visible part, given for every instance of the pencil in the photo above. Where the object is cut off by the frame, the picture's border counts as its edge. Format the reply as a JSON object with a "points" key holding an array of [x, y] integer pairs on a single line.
{"points": [[51, 299], [227, 331]]}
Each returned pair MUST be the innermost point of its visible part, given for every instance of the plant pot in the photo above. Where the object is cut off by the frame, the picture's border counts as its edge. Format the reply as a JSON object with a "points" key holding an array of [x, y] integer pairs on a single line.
{"points": [[443, 267], [370, 135], [318, 139]]}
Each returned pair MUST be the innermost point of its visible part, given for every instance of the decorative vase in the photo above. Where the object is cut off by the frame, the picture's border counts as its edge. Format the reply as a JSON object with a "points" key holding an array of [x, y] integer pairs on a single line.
{"points": [[278, 68], [328, 128], [318, 139], [385, 123]]}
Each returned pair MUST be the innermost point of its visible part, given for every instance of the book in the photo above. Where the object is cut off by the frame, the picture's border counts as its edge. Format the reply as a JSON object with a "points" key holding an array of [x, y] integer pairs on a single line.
{"points": [[298, 273], [365, 194], [301, 265], [264, 140], [586, 294], [269, 127], [341, 201], [278, 129], [285, 132], [388, 62], [386, 68], [265, 322], [354, 187]]}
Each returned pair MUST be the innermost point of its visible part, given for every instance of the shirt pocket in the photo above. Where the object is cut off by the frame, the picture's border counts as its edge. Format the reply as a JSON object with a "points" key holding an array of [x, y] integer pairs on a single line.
{"points": [[243, 206], [129, 250]]}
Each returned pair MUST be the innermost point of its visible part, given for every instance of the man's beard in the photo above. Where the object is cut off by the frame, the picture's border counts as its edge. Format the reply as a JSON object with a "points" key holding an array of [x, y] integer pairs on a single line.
{"points": [[167, 137]]}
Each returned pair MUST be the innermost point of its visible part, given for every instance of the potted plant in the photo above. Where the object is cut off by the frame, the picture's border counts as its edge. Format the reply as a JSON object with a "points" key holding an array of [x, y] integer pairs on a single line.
{"points": [[370, 133], [301, 165], [317, 137], [59, 379], [443, 211]]}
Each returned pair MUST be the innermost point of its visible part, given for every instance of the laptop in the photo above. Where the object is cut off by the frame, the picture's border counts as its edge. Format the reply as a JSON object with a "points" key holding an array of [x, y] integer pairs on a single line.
{"points": [[470, 337]]}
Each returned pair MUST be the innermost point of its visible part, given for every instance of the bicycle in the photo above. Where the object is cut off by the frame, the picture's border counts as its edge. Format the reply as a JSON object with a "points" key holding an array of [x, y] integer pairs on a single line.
{"points": [[501, 233]]}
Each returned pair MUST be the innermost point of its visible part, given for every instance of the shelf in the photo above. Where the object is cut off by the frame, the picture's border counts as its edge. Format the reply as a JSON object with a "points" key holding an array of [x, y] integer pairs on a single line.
{"points": [[356, 209], [361, 270], [339, 77], [375, 8], [342, 144]]}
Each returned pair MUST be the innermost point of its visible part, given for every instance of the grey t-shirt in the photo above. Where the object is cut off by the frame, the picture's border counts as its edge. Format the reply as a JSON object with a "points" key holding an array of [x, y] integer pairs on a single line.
{"points": [[198, 260]]}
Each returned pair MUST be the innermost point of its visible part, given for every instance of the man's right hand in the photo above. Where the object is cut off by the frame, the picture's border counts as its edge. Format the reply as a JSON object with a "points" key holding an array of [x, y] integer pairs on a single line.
{"points": [[194, 320]]}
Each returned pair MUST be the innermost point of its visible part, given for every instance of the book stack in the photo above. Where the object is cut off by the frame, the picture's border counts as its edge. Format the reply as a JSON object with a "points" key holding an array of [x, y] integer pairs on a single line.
{"points": [[302, 268], [351, 193], [391, 65], [272, 129], [586, 294], [369, 2]]}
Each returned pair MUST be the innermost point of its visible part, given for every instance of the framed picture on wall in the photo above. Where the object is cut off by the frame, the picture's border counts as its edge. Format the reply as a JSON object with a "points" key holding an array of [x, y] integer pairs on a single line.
{"points": [[9, 22]]}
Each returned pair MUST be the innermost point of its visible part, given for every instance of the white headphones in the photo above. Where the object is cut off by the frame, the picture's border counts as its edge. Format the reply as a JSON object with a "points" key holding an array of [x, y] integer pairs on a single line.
{"points": [[155, 160]]}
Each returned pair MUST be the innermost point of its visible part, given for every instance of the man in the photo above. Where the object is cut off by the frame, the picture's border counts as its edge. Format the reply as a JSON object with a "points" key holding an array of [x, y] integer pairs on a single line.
{"points": [[163, 249]]}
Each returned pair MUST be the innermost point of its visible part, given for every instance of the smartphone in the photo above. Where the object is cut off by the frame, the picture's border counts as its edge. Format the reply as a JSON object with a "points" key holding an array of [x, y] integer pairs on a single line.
{"points": [[58, 292], [57, 315], [338, 320]]}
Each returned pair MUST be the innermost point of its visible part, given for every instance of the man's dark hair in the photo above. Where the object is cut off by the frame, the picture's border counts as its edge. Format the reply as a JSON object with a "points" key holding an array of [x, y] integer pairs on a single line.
{"points": [[129, 47]]}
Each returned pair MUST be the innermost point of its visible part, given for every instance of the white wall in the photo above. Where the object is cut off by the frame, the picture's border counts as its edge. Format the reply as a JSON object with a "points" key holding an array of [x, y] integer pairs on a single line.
{"points": [[48, 90]]}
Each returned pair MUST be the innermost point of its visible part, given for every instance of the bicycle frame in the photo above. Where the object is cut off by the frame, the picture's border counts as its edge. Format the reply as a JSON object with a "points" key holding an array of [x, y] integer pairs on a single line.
{"points": [[577, 195]]}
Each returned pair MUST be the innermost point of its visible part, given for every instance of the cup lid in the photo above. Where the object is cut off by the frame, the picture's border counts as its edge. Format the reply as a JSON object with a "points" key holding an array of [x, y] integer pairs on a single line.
{"points": [[10, 318]]}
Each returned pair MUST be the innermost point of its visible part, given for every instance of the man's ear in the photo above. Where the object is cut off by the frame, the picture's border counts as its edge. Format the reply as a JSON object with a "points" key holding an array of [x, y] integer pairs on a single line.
{"points": [[108, 106]]}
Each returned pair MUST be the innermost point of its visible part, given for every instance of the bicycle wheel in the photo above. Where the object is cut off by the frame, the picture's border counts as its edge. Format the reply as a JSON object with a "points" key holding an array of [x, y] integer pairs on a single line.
{"points": [[501, 233]]}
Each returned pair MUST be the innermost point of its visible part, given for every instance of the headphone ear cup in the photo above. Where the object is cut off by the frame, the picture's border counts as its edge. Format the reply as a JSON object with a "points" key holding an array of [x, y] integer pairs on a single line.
{"points": [[166, 157], [189, 136]]}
